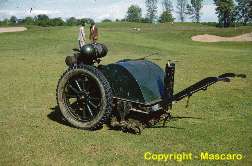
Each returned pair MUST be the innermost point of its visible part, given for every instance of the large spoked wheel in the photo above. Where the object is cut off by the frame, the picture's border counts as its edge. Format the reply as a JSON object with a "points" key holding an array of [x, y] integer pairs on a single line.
{"points": [[84, 97]]}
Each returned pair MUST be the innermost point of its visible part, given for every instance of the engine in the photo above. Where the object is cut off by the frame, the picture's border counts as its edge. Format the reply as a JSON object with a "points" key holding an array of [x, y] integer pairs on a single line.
{"points": [[87, 54]]}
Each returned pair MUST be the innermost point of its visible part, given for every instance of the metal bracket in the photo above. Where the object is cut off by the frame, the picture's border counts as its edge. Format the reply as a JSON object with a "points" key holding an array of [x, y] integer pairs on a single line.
{"points": [[188, 100]]}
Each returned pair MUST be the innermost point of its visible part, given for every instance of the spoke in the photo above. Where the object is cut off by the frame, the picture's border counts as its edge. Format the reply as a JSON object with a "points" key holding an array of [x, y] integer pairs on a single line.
{"points": [[89, 110], [83, 84], [92, 104], [78, 85], [75, 90], [75, 113]]}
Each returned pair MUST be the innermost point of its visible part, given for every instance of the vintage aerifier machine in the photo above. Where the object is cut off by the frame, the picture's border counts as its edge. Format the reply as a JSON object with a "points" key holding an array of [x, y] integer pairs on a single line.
{"points": [[128, 95]]}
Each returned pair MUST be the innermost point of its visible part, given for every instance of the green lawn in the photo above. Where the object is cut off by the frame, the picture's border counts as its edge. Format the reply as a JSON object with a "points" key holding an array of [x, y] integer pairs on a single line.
{"points": [[217, 121]]}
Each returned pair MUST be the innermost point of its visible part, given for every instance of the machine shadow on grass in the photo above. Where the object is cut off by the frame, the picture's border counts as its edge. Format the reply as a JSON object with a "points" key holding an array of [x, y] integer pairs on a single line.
{"points": [[56, 116]]}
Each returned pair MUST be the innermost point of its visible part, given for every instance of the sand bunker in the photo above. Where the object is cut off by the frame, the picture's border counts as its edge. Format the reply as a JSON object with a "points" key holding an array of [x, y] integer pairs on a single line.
{"points": [[12, 29], [214, 38]]}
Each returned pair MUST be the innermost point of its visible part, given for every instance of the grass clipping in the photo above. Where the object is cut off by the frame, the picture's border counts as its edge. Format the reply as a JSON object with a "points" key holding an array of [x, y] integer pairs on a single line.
{"points": [[214, 38]]}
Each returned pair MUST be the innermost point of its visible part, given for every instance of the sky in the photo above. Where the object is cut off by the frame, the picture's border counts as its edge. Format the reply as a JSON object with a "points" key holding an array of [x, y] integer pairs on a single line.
{"points": [[95, 9]]}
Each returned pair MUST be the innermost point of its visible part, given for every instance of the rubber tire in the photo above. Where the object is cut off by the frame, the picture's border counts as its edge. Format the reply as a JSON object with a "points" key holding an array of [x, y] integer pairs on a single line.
{"points": [[106, 94]]}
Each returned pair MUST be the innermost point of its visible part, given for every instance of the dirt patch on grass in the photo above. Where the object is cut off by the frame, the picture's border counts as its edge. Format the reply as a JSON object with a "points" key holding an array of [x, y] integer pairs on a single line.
{"points": [[12, 29], [214, 38]]}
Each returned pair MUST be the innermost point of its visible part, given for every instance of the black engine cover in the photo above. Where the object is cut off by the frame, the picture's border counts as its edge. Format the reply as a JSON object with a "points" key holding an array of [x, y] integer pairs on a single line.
{"points": [[93, 51]]}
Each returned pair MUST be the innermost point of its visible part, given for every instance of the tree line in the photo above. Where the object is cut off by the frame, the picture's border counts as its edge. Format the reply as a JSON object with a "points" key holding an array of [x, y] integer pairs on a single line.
{"points": [[229, 12], [44, 20]]}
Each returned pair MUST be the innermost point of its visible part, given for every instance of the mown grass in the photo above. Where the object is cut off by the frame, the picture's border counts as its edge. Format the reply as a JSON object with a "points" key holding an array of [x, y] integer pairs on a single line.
{"points": [[32, 61]]}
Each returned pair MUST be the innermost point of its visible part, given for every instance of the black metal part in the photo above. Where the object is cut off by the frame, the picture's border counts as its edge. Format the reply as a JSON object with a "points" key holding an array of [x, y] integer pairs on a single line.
{"points": [[169, 83], [123, 108], [204, 84], [232, 75], [92, 52], [71, 60], [76, 49]]}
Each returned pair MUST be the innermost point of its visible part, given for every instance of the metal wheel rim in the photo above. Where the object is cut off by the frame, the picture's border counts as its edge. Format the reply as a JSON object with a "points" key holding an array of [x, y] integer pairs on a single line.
{"points": [[86, 98]]}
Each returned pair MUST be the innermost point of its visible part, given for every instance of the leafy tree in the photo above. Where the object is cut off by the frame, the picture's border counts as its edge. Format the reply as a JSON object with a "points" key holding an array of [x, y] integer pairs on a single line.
{"points": [[89, 20], [42, 20], [13, 20], [194, 9], [181, 9], [225, 10], [242, 11], [167, 5], [166, 16], [72, 21], [134, 13], [151, 6], [28, 21], [81, 21], [56, 22]]}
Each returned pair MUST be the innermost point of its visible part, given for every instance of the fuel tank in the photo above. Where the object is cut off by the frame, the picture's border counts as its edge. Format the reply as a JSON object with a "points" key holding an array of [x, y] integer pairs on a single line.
{"points": [[136, 80], [93, 51]]}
